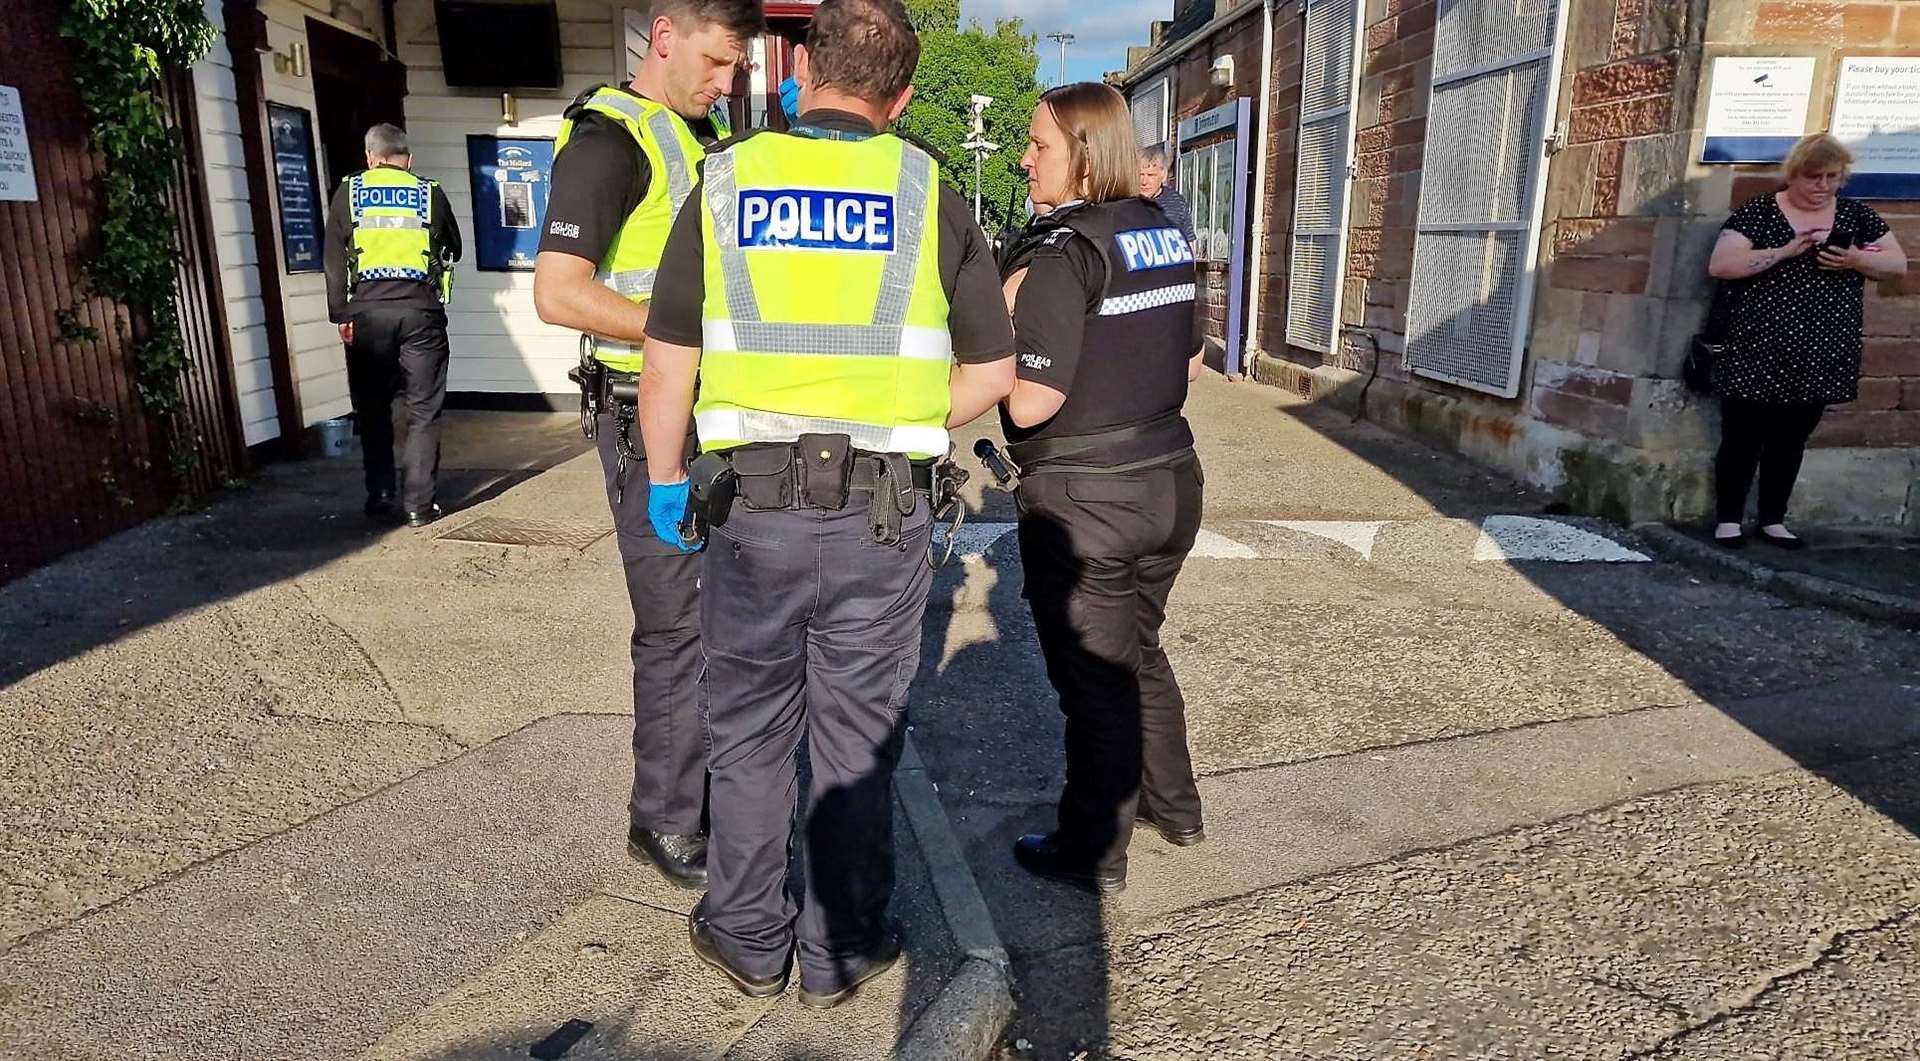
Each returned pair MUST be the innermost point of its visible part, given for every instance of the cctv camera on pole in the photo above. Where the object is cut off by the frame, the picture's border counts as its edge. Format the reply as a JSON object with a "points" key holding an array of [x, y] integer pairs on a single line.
{"points": [[979, 146]]}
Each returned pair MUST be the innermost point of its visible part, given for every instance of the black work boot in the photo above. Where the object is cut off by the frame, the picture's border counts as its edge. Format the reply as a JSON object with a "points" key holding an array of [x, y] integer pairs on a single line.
{"points": [[1043, 856], [428, 515], [680, 859], [380, 505], [884, 956], [700, 934], [1176, 837]]}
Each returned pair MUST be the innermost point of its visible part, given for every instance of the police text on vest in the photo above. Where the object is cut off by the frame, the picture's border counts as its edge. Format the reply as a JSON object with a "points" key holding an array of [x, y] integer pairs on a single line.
{"points": [[409, 198], [826, 220], [1154, 248]]}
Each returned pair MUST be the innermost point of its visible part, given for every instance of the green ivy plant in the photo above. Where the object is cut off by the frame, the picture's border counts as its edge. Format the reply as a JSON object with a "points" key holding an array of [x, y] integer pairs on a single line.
{"points": [[121, 49]]}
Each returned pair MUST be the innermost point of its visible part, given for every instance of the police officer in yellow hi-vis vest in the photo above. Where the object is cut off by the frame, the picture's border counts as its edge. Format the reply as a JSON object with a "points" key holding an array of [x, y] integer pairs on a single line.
{"points": [[842, 311], [390, 248], [625, 160]]}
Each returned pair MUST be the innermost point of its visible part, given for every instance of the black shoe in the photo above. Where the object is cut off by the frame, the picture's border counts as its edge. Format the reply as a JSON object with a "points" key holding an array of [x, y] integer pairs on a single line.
{"points": [[700, 934], [883, 957], [380, 505], [1041, 856], [680, 859], [421, 519], [1176, 837], [1735, 542]]}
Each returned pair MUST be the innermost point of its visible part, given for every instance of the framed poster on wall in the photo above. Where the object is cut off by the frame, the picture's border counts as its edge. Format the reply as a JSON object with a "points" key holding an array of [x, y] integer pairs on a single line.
{"points": [[1876, 113], [510, 178], [297, 186]]}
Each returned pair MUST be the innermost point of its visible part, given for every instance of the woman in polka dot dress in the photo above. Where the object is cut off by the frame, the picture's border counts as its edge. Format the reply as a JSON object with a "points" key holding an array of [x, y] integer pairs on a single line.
{"points": [[1798, 260]]}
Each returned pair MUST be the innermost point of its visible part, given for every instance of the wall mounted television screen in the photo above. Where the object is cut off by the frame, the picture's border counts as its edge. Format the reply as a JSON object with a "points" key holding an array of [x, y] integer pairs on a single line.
{"points": [[499, 43]]}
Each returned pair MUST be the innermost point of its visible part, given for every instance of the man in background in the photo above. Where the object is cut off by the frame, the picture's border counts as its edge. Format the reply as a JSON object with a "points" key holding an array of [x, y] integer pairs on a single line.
{"points": [[1154, 186], [391, 242]]}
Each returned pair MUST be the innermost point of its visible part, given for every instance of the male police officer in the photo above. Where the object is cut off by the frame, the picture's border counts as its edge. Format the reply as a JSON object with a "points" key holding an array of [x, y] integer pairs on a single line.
{"points": [[626, 161], [391, 242], [833, 283]]}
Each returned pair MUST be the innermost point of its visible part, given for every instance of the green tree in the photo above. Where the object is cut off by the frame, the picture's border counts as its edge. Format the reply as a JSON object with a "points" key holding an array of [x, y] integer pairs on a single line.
{"points": [[955, 64]]}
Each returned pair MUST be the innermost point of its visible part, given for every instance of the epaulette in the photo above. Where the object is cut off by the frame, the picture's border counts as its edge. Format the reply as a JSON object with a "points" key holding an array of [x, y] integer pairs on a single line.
{"points": [[580, 101]]}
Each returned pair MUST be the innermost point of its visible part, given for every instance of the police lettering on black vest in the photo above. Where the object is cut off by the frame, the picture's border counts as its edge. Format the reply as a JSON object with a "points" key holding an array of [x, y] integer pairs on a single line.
{"points": [[1153, 248], [825, 220]]}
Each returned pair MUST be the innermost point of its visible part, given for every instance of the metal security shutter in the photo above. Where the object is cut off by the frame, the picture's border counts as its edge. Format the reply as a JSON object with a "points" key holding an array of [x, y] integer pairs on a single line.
{"points": [[1495, 76], [1320, 178], [1149, 106]]}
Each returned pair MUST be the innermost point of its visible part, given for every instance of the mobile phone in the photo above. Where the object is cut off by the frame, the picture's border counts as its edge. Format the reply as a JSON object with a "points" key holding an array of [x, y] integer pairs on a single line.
{"points": [[1840, 238]]}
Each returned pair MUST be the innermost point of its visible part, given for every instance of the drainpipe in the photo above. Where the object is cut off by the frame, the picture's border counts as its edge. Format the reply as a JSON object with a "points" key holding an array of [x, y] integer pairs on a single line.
{"points": [[1250, 357]]}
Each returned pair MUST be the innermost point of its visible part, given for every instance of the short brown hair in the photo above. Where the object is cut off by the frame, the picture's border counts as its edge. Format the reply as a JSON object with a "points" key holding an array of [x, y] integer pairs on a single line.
{"points": [[1099, 130], [1817, 153], [740, 18], [865, 48]]}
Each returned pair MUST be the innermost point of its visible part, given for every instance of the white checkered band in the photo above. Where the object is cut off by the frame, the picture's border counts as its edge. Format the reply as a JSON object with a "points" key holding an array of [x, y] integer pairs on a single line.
{"points": [[1122, 305], [393, 274]]}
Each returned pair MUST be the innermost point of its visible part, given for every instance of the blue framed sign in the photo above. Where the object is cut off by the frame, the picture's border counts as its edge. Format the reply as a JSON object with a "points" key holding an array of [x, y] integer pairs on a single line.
{"points": [[297, 185], [510, 178], [1757, 107], [1876, 113]]}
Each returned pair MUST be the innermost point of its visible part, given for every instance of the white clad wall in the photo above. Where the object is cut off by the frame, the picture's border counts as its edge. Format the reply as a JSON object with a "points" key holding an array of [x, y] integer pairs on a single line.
{"points": [[319, 359], [499, 343], [232, 220]]}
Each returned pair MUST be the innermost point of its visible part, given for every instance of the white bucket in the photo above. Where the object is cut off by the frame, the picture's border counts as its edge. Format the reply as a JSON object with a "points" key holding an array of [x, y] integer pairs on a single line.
{"points": [[336, 437]]}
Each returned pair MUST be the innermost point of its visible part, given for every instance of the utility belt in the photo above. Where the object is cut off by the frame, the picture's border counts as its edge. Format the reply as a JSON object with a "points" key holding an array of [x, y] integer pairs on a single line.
{"points": [[821, 472], [1168, 434], [603, 390]]}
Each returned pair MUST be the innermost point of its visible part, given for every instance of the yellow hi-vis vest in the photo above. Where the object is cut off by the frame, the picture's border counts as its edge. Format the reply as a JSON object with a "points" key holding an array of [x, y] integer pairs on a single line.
{"points": [[634, 255], [824, 310], [392, 214]]}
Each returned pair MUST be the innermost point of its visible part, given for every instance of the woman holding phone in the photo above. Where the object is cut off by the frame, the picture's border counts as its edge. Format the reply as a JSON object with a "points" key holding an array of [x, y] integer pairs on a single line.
{"points": [[1797, 261]]}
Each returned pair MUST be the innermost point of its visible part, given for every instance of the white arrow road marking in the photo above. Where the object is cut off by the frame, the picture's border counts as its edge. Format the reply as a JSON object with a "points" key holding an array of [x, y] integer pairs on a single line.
{"points": [[1355, 534], [1213, 546], [1528, 538]]}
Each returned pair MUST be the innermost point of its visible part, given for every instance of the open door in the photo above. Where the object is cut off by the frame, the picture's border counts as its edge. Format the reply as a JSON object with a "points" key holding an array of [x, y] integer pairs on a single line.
{"points": [[355, 86]]}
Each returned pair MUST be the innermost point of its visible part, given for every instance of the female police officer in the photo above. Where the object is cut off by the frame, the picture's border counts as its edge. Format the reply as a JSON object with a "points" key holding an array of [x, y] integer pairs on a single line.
{"points": [[1101, 287]]}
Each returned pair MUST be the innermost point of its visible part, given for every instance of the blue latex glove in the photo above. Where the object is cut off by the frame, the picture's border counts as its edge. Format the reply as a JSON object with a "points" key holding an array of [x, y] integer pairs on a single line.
{"points": [[666, 506], [790, 97]]}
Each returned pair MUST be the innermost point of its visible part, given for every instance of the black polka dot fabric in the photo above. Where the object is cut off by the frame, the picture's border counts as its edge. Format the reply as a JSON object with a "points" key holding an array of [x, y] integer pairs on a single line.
{"points": [[1793, 335]]}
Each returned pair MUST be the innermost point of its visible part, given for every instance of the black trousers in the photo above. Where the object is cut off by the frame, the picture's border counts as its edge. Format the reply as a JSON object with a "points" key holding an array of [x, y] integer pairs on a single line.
{"points": [[397, 370], [812, 630], [1101, 553], [1770, 439], [669, 792]]}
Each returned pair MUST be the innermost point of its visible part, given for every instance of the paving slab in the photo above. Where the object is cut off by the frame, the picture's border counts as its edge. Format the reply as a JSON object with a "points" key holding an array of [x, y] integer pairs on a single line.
{"points": [[1602, 935]]}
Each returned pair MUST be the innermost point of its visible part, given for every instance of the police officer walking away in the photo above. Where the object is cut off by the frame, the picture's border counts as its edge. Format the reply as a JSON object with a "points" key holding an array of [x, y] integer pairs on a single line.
{"points": [[849, 313], [626, 159], [1102, 292], [391, 244]]}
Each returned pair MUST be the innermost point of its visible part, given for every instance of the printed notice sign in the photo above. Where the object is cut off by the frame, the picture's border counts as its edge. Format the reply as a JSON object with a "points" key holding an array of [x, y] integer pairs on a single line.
{"points": [[1758, 108], [1876, 113], [16, 158]]}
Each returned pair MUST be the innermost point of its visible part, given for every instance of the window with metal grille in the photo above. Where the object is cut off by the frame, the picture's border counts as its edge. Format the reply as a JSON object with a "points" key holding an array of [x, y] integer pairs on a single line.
{"points": [[1495, 74], [1327, 92], [1149, 106]]}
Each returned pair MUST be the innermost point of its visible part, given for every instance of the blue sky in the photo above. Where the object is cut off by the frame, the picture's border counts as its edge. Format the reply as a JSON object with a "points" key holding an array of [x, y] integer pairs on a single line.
{"points": [[1104, 29]]}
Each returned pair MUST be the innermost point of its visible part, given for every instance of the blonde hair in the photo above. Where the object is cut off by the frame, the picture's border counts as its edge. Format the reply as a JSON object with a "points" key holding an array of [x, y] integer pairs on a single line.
{"points": [[1099, 130], [1817, 153]]}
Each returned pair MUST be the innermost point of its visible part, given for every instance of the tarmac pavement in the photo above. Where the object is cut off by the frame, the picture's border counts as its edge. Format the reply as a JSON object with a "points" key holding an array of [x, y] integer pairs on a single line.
{"points": [[281, 785]]}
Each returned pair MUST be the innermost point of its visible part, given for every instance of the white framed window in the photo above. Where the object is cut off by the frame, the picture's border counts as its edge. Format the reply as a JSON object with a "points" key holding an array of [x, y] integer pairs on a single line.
{"points": [[1149, 106], [1321, 177], [1496, 72]]}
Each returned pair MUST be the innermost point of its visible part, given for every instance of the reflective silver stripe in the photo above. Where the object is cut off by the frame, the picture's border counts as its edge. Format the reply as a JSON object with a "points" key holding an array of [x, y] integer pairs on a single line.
{"points": [[896, 281], [679, 174], [752, 425], [631, 282], [743, 306], [1121, 305], [620, 101], [746, 331], [388, 221], [838, 340]]}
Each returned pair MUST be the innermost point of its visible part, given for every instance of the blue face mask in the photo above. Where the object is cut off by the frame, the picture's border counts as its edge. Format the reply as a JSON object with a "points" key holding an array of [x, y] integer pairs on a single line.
{"points": [[790, 97]]}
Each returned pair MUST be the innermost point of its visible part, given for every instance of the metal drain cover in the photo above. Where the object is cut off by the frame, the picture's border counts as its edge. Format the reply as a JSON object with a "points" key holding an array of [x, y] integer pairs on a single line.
{"points": [[505, 530]]}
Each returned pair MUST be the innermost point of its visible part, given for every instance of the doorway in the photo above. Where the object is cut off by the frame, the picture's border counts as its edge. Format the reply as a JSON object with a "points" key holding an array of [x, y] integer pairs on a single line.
{"points": [[355, 86]]}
